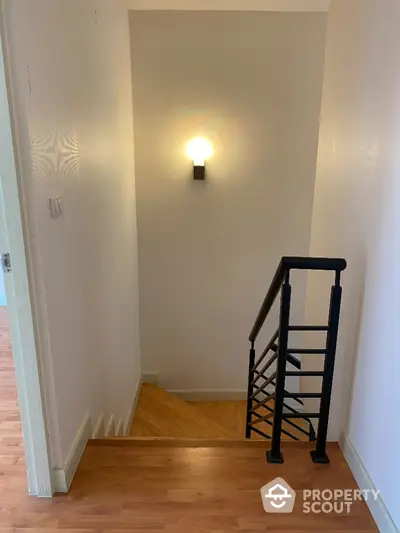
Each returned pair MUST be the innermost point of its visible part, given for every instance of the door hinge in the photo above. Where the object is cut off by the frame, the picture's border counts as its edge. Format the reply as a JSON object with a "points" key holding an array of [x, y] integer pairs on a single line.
{"points": [[6, 263]]}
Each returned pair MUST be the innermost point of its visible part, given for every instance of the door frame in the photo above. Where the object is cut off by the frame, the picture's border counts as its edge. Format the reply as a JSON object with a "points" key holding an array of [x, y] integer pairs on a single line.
{"points": [[19, 291]]}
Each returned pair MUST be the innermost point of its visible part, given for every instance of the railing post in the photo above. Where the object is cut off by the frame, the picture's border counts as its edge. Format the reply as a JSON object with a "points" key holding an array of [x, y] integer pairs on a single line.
{"points": [[274, 455], [252, 358], [319, 455]]}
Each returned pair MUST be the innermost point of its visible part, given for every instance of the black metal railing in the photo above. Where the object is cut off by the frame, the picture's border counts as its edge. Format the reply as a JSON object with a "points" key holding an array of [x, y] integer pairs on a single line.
{"points": [[267, 374]]}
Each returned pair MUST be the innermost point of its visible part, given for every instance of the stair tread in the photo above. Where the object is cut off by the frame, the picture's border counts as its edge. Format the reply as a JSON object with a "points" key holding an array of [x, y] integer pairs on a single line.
{"points": [[161, 414], [232, 414], [172, 442], [190, 442]]}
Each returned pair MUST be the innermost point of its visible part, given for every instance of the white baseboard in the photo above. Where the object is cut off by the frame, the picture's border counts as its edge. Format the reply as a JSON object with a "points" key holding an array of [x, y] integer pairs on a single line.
{"points": [[291, 402], [110, 428], [222, 395], [99, 430], [62, 477], [150, 377], [210, 395], [232, 5], [129, 420], [119, 431], [377, 507]]}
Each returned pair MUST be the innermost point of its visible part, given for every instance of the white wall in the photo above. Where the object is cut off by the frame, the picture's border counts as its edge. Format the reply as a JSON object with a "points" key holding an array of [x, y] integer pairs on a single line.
{"points": [[356, 216], [251, 83], [72, 88]]}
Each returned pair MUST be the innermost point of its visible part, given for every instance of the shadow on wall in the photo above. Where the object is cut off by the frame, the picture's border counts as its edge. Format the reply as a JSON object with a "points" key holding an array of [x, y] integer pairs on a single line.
{"points": [[3, 300]]}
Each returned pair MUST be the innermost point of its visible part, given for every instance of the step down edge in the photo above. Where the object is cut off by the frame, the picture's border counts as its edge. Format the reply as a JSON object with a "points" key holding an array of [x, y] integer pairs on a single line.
{"points": [[177, 442]]}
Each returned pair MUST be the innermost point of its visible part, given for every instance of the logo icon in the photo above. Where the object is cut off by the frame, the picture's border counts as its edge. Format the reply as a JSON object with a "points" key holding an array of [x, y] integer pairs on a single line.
{"points": [[278, 497]]}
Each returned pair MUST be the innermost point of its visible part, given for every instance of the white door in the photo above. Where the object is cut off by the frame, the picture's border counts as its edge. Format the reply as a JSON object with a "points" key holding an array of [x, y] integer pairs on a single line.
{"points": [[3, 298], [19, 308]]}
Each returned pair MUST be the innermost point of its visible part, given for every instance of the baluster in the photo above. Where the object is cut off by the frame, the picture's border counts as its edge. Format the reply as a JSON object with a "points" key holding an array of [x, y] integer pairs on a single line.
{"points": [[319, 455], [252, 358], [274, 455]]}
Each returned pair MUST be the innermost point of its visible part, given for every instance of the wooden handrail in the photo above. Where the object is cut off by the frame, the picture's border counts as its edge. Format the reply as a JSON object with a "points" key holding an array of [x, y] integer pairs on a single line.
{"points": [[287, 264]]}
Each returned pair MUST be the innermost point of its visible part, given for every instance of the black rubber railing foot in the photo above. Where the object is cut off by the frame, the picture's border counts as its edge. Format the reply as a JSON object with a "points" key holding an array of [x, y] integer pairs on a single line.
{"points": [[319, 459], [274, 459]]}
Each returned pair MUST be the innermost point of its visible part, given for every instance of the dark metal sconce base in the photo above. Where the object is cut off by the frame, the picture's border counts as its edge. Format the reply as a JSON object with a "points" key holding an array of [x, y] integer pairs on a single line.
{"points": [[199, 172]]}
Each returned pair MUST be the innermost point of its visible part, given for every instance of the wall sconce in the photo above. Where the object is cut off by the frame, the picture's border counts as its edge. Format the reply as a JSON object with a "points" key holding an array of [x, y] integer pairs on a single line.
{"points": [[199, 149]]}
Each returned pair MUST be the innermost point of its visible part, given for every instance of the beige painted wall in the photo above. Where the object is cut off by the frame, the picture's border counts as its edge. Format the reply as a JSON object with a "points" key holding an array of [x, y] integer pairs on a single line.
{"points": [[72, 87], [251, 83], [356, 216]]}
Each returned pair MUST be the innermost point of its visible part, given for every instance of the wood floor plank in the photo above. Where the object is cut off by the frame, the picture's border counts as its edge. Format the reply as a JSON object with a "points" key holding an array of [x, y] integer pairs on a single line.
{"points": [[161, 414], [168, 488], [232, 415], [188, 490], [12, 470]]}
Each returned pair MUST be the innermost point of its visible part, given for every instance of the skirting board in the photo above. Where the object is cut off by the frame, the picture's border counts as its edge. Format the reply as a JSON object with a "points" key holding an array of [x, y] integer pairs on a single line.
{"points": [[210, 395], [62, 477], [221, 395], [110, 429], [128, 422], [232, 5], [378, 509], [119, 431], [150, 377], [99, 430]]}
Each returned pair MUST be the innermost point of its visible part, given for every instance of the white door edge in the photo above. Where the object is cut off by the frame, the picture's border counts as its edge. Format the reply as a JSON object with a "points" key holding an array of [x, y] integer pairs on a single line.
{"points": [[18, 289]]}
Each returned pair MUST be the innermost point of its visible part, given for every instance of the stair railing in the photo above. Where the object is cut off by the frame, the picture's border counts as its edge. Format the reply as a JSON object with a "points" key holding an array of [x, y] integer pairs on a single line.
{"points": [[273, 401]]}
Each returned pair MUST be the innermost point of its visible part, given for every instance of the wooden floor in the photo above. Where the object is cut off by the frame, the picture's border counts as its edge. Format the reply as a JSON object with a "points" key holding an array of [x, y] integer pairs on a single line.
{"points": [[153, 487], [12, 460], [161, 414], [191, 490]]}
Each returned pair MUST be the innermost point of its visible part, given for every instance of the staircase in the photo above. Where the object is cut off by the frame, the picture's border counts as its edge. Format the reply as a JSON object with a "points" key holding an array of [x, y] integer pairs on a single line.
{"points": [[199, 466], [161, 415], [188, 467], [268, 413]]}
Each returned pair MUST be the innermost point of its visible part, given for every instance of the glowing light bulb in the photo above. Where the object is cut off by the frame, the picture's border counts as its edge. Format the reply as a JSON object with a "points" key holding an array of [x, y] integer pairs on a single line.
{"points": [[199, 149]]}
